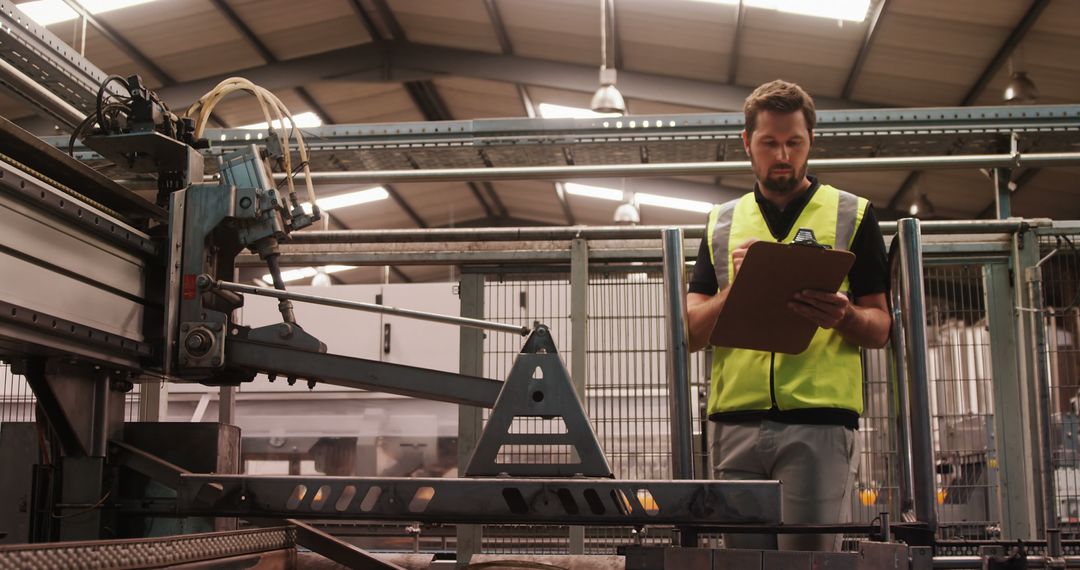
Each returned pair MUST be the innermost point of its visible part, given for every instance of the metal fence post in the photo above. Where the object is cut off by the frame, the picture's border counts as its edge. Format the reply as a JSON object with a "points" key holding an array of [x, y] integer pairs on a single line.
{"points": [[913, 313], [1025, 254], [678, 356], [470, 418], [579, 331], [1033, 277], [1017, 506], [1002, 193]]}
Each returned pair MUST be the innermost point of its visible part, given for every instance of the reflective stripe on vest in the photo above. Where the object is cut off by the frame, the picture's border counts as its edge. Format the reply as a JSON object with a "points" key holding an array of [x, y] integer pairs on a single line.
{"points": [[829, 373]]}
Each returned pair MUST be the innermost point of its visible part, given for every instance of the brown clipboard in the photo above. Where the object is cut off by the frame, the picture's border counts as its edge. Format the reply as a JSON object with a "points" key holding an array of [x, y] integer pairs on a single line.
{"points": [[756, 315]]}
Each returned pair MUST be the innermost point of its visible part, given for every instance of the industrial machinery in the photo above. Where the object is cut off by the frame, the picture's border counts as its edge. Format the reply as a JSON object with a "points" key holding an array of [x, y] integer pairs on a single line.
{"points": [[103, 289]]}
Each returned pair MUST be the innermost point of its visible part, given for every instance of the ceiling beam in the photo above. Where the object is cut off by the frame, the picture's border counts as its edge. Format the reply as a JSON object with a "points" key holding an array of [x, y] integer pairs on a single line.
{"points": [[389, 19], [1020, 181], [497, 222], [267, 55], [560, 194], [736, 41], [1006, 50], [1000, 58], [480, 198], [905, 188], [423, 93], [501, 34], [395, 62], [615, 46], [860, 59], [129, 49], [121, 42], [398, 199], [489, 189], [335, 223]]}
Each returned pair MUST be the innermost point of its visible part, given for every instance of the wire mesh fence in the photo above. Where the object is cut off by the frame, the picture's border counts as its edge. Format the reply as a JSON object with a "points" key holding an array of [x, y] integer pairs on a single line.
{"points": [[961, 401], [1061, 289], [626, 397], [18, 404]]}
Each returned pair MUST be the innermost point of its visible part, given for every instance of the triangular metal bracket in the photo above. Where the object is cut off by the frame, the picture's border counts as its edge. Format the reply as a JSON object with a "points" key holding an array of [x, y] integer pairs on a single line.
{"points": [[538, 387]]}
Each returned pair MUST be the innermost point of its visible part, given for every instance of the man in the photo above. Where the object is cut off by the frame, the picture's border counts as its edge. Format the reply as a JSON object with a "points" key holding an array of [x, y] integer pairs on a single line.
{"points": [[781, 416]]}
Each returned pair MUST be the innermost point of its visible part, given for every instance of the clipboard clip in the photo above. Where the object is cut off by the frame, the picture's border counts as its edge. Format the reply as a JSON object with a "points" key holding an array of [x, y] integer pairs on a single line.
{"points": [[805, 236]]}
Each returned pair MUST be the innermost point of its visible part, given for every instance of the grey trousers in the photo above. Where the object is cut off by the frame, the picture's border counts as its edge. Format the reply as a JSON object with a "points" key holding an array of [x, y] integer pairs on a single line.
{"points": [[816, 464]]}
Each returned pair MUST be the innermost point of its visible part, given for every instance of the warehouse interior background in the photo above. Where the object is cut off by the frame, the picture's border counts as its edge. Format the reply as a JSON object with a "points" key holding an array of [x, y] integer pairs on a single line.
{"points": [[421, 85]]}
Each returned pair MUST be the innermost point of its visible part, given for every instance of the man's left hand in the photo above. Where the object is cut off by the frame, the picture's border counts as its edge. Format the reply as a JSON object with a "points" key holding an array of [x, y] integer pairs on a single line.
{"points": [[826, 310]]}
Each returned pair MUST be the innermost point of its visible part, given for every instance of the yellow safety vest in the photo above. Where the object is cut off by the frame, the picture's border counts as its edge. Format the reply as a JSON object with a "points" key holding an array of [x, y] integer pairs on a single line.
{"points": [[828, 374]]}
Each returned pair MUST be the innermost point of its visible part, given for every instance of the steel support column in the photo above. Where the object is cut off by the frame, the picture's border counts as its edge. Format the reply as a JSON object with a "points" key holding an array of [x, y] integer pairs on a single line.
{"points": [[914, 314], [1002, 193], [579, 334], [470, 418], [1013, 452]]}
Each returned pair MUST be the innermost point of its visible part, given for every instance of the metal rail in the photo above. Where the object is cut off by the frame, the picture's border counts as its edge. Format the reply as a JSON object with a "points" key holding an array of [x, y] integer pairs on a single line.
{"points": [[678, 355], [1014, 161], [914, 314], [577, 500], [207, 282], [1047, 484], [442, 235]]}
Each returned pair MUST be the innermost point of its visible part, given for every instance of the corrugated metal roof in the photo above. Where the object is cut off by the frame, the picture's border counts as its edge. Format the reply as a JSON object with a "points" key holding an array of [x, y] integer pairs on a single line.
{"points": [[924, 53], [458, 23]]}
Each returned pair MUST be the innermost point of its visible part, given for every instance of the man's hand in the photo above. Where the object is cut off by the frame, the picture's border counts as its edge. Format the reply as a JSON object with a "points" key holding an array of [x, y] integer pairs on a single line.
{"points": [[738, 255], [866, 322], [826, 310]]}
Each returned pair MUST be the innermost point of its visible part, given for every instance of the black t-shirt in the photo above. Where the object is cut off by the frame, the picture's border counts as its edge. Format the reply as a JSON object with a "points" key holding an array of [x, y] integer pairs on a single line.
{"points": [[869, 274]]}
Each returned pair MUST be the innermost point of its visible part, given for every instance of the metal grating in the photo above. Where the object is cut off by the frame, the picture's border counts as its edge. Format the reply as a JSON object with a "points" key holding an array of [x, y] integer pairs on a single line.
{"points": [[16, 399], [1061, 289], [877, 483], [17, 402], [518, 300], [961, 401]]}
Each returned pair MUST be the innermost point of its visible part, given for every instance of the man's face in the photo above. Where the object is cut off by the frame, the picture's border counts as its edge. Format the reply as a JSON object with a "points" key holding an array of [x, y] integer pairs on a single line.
{"points": [[778, 150]]}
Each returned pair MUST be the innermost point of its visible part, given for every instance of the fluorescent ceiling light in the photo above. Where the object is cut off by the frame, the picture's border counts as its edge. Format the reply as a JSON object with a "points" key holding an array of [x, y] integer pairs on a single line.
{"points": [[674, 203], [304, 120], [593, 191], [553, 111], [350, 199], [305, 273], [850, 10], [48, 12]]}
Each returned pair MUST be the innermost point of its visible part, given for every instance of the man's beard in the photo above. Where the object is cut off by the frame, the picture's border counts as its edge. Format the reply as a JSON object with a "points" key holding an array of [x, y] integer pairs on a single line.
{"points": [[787, 184]]}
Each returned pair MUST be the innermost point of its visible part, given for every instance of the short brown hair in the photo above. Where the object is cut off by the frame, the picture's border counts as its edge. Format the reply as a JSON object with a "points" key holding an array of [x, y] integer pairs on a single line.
{"points": [[778, 96]]}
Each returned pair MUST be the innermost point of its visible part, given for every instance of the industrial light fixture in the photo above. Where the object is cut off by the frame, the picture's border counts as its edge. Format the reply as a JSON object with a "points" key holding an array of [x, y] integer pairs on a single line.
{"points": [[305, 120], [306, 273], [594, 191], [638, 199], [627, 214], [673, 203], [1021, 89], [49, 12], [553, 111], [607, 98], [321, 278], [349, 199], [921, 207], [843, 10]]}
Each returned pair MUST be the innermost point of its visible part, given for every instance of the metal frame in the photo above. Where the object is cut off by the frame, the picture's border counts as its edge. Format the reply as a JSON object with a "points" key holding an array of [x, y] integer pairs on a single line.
{"points": [[515, 500]]}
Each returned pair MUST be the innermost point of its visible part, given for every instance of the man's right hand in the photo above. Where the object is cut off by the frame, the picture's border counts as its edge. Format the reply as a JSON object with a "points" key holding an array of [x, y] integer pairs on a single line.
{"points": [[738, 255]]}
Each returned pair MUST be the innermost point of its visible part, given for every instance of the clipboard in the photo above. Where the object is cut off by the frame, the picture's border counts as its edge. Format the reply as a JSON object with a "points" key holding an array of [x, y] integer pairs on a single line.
{"points": [[756, 316]]}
